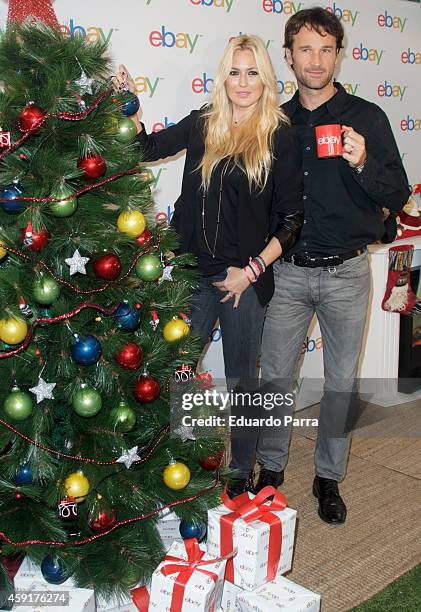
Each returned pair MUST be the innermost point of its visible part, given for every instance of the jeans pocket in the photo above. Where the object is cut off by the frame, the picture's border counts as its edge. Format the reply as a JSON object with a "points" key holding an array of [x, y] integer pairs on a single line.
{"points": [[353, 268]]}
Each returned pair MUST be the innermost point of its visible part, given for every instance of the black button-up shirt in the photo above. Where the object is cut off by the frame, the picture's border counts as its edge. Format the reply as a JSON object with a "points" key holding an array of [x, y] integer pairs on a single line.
{"points": [[343, 209]]}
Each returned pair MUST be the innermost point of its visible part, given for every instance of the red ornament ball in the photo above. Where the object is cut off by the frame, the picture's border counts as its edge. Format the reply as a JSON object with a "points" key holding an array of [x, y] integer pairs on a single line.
{"points": [[130, 356], [19, 495], [144, 238], [147, 389], [212, 462], [30, 116], [39, 239], [93, 166], [107, 266], [102, 517], [205, 379]]}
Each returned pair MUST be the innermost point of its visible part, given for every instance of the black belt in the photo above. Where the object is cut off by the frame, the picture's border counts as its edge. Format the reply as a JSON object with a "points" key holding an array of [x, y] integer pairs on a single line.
{"points": [[305, 260]]}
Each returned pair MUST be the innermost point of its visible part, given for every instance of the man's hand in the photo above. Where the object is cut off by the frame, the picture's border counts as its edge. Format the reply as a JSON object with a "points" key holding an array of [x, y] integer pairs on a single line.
{"points": [[353, 147], [235, 283]]}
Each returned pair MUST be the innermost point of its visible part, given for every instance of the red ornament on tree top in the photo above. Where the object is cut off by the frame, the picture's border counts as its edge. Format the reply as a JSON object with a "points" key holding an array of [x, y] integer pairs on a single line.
{"points": [[37, 9]]}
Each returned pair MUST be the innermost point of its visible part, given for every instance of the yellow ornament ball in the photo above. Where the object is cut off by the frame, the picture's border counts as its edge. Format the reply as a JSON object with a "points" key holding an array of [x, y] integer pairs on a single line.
{"points": [[176, 475], [175, 329], [77, 485], [13, 330], [131, 222], [3, 251]]}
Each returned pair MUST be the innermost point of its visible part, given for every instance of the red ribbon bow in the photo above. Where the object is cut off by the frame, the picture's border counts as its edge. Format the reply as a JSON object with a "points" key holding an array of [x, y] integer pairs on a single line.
{"points": [[256, 509]]}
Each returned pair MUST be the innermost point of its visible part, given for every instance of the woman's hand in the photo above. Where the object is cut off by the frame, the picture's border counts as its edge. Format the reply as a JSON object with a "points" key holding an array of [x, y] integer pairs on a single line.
{"points": [[235, 283], [123, 82]]}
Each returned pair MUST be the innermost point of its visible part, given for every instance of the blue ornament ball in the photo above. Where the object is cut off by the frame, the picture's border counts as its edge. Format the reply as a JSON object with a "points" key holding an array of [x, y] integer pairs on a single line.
{"points": [[127, 318], [54, 570], [86, 351], [190, 529], [24, 475], [11, 192], [132, 105]]}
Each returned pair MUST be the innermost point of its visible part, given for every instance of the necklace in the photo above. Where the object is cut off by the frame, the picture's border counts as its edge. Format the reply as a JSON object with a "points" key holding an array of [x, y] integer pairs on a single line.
{"points": [[213, 250]]}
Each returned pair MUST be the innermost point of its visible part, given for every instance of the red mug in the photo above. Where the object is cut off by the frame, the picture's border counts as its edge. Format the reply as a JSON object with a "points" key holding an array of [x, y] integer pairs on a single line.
{"points": [[329, 140]]}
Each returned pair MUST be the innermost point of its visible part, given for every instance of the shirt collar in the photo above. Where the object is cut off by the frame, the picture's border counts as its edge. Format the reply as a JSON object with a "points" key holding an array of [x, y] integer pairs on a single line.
{"points": [[335, 104]]}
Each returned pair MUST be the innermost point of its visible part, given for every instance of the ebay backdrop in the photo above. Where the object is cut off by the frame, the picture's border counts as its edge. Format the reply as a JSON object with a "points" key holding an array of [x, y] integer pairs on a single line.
{"points": [[172, 48]]}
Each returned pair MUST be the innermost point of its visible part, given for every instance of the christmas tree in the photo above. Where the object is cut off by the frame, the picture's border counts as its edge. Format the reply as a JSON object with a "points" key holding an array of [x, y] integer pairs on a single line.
{"points": [[92, 326]]}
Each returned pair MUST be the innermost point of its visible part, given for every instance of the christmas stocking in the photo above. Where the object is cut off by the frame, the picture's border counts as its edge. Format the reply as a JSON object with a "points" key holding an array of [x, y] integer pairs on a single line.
{"points": [[399, 296]]}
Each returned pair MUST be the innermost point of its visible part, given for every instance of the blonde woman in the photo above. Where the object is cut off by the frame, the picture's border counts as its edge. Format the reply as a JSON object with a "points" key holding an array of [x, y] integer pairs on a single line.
{"points": [[240, 207]]}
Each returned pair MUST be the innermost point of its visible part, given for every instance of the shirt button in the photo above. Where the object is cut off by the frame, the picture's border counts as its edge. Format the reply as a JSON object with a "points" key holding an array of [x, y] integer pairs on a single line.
{"points": [[306, 173], [304, 197], [307, 148], [305, 221]]}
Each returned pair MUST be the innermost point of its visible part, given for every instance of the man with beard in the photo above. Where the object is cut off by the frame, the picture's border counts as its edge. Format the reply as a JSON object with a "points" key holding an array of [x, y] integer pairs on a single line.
{"points": [[327, 270]]}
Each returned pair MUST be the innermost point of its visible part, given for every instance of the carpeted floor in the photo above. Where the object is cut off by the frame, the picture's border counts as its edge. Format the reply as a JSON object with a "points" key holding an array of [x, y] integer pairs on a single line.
{"points": [[381, 539]]}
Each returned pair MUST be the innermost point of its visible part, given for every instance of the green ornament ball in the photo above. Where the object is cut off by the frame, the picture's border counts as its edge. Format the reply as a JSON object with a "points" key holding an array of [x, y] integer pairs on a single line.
{"points": [[123, 417], [45, 290], [87, 401], [63, 208], [126, 131], [18, 405], [149, 268]]}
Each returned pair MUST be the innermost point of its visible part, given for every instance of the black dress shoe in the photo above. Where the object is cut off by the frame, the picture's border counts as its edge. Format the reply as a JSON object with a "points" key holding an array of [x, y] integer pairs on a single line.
{"points": [[331, 505], [237, 486], [268, 478]]}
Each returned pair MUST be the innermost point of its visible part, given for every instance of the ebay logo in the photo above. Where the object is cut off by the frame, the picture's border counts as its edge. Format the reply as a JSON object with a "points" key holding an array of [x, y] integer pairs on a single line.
{"points": [[329, 140], [227, 4], [165, 217], [287, 87], [162, 125], [411, 57], [410, 125], [343, 14], [387, 90], [279, 7], [365, 54], [387, 21], [202, 85], [167, 39], [91, 34]]}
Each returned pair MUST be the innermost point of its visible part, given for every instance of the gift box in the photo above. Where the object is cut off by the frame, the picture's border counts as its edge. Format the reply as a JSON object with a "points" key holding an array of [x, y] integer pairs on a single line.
{"points": [[40, 596], [229, 595], [169, 529], [281, 594], [262, 531], [115, 604], [30, 572], [187, 580]]}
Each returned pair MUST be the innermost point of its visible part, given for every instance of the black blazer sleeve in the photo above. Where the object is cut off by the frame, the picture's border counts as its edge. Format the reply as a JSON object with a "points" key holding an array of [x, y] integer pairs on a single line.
{"points": [[166, 142], [288, 209]]}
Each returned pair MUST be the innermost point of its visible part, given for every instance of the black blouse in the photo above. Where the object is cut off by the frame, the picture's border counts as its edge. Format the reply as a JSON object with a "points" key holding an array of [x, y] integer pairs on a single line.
{"points": [[276, 210]]}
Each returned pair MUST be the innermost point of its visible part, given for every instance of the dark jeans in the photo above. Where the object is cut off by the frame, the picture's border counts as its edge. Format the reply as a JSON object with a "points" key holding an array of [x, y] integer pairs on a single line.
{"points": [[241, 330]]}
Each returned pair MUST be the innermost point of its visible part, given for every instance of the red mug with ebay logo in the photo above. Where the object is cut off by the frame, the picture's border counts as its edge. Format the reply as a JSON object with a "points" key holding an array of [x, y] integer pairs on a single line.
{"points": [[329, 140]]}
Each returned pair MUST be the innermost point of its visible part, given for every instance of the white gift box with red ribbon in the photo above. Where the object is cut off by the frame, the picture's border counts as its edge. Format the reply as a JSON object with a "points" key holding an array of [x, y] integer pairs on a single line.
{"points": [[280, 595], [261, 530], [41, 596], [229, 596], [187, 580]]}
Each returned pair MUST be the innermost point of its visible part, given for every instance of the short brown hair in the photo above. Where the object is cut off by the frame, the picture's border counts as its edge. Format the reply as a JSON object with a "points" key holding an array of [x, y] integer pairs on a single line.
{"points": [[318, 19]]}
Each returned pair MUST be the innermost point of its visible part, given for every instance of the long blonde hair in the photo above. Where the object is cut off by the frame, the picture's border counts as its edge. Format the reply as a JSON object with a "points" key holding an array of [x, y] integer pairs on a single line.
{"points": [[251, 149]]}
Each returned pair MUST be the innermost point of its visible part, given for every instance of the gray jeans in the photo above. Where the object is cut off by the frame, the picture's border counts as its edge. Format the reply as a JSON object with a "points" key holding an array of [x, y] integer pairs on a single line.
{"points": [[339, 297]]}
